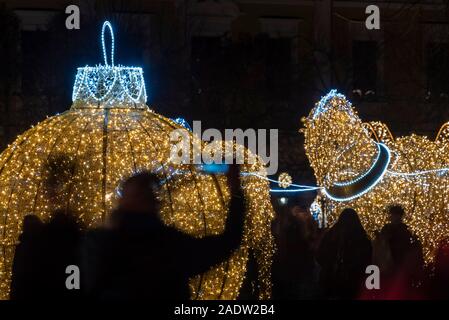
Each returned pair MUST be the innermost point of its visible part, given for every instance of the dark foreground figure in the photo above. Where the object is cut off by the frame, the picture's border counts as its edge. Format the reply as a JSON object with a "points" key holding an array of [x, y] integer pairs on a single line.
{"points": [[399, 255], [344, 253], [138, 257], [439, 283], [42, 256], [26, 281], [295, 270]]}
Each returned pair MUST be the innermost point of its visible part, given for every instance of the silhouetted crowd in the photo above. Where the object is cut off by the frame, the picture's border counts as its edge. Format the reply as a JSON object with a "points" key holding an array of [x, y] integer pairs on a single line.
{"points": [[135, 256], [334, 263]]}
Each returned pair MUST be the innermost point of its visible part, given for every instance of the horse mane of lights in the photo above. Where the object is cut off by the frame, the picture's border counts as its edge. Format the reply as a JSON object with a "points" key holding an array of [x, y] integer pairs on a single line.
{"points": [[361, 165], [108, 134]]}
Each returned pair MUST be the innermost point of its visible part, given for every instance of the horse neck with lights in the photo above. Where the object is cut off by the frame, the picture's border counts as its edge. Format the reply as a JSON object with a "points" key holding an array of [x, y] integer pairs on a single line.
{"points": [[347, 162]]}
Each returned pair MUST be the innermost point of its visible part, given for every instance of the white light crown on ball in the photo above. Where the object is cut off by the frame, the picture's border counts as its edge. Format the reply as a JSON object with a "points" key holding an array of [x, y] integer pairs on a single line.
{"points": [[108, 85]]}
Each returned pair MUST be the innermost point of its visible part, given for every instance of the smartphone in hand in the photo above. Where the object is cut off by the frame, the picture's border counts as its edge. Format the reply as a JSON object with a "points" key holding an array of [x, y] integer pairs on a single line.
{"points": [[214, 168]]}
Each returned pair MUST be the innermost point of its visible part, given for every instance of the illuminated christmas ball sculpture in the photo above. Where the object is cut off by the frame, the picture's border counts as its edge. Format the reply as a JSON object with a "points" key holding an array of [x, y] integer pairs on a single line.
{"points": [[108, 134], [361, 165]]}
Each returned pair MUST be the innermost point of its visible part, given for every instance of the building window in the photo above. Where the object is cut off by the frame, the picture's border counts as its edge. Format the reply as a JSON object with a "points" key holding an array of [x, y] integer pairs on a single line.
{"points": [[437, 66], [364, 59]]}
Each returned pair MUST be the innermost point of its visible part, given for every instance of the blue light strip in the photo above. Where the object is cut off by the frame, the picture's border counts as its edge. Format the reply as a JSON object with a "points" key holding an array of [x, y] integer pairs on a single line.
{"points": [[294, 190], [347, 183], [418, 173], [307, 188], [369, 187], [302, 187]]}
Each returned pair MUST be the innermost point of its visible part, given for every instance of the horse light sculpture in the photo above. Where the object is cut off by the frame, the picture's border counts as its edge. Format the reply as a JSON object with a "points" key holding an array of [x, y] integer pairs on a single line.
{"points": [[361, 165]]}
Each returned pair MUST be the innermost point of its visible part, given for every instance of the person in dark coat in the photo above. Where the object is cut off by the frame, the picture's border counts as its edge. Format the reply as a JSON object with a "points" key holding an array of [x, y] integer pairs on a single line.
{"points": [[403, 276], [344, 253], [402, 242], [61, 248], [42, 256], [139, 257], [26, 281], [295, 270], [439, 286]]}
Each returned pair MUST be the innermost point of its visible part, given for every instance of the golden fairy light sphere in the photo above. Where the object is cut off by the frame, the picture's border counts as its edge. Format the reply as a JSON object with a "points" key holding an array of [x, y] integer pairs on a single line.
{"points": [[77, 160], [361, 165], [285, 180]]}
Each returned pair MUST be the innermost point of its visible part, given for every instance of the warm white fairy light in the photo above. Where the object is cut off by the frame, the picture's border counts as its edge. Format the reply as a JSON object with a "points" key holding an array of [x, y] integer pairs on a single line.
{"points": [[285, 180]]}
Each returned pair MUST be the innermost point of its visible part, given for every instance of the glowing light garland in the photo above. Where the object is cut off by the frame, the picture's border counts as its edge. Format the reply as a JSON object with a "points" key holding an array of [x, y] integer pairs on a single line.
{"points": [[414, 173], [380, 147], [419, 173], [301, 188], [103, 46], [347, 191], [384, 171], [108, 134], [293, 190], [285, 180], [109, 86]]}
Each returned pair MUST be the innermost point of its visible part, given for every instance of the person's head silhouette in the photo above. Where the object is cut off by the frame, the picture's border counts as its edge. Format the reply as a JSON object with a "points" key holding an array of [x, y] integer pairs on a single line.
{"points": [[138, 193], [396, 213], [31, 224], [349, 219]]}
